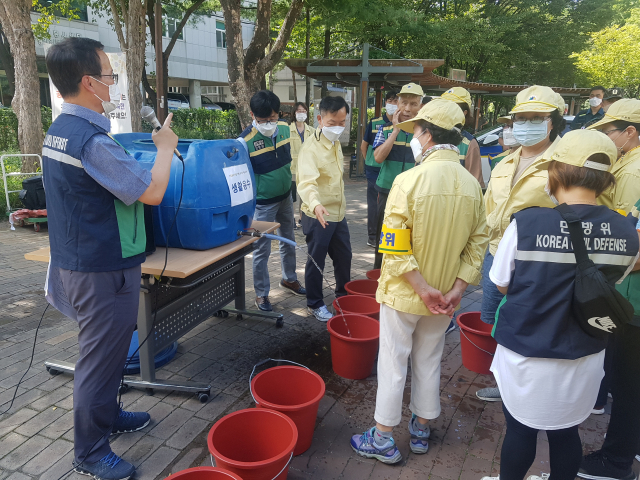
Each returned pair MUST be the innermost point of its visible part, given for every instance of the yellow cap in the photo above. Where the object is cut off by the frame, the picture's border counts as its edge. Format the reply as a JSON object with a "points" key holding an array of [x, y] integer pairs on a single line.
{"points": [[626, 109], [440, 112], [578, 145], [458, 95], [411, 89], [538, 99], [505, 119]]}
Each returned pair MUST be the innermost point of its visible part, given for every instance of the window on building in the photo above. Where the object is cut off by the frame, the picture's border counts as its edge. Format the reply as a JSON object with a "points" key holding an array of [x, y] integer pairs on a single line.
{"points": [[291, 94], [169, 27], [221, 35]]}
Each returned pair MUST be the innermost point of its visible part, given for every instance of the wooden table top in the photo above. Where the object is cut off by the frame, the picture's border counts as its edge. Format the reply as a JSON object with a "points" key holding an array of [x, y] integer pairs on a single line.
{"points": [[181, 262]]}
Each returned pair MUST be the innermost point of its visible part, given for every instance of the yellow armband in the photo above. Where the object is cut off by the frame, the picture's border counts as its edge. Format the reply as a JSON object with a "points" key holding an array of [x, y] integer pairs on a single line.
{"points": [[396, 241]]}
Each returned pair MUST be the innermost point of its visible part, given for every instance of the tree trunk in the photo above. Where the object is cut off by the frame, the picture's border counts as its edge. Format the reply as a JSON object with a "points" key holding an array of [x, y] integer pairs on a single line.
{"points": [[295, 89], [327, 49], [247, 69], [132, 35], [307, 45], [15, 16]]}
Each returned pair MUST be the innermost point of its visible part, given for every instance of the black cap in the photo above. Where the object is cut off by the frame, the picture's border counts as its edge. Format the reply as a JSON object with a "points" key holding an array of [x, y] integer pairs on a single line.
{"points": [[613, 93]]}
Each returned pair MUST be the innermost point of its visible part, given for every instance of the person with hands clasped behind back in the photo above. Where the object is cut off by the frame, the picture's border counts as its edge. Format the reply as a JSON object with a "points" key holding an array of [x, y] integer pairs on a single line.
{"points": [[321, 188], [548, 365], [434, 236]]}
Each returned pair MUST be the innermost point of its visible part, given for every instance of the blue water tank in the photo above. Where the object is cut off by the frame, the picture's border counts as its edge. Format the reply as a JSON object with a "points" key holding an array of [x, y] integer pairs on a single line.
{"points": [[217, 173]]}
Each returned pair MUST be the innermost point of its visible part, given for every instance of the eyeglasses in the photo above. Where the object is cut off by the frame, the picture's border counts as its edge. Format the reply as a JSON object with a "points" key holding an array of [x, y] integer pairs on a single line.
{"points": [[264, 122], [114, 76], [613, 130], [535, 120]]}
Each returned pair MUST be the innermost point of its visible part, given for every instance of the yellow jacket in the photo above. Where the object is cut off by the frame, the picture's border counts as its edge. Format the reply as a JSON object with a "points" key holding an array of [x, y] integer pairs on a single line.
{"points": [[441, 203], [296, 143], [501, 200], [626, 192], [320, 182]]}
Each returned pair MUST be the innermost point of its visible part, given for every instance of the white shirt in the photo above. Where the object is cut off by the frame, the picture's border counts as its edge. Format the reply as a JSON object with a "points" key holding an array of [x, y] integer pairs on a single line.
{"points": [[541, 393]]}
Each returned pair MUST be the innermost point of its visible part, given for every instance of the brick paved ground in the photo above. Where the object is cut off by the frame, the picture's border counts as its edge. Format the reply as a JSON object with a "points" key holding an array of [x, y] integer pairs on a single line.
{"points": [[36, 436]]}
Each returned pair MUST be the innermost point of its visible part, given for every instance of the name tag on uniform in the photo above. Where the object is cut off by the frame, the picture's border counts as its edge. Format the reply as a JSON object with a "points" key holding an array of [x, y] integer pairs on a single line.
{"points": [[258, 145], [396, 241]]}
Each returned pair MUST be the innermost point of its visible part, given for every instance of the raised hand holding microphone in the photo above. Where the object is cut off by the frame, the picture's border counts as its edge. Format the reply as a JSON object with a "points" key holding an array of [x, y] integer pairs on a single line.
{"points": [[166, 142]]}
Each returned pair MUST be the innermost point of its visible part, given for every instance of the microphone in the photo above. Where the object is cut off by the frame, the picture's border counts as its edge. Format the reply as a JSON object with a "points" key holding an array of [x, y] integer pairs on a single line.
{"points": [[149, 115]]}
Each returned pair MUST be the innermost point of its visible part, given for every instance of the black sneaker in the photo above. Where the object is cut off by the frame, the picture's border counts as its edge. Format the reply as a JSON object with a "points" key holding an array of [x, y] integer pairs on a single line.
{"points": [[597, 466], [128, 422], [109, 467], [264, 304]]}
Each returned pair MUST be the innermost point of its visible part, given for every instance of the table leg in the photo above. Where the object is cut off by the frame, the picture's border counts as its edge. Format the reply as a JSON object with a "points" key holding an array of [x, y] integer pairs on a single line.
{"points": [[240, 293], [145, 325]]}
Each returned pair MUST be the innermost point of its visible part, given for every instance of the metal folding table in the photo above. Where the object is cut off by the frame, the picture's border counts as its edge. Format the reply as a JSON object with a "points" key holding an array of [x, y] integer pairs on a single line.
{"points": [[194, 286]]}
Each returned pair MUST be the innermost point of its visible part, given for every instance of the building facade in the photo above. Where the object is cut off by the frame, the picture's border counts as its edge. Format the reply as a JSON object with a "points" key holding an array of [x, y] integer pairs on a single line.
{"points": [[198, 61]]}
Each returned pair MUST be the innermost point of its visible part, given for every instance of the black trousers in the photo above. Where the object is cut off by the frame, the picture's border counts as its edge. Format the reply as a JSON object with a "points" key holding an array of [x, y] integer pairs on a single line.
{"points": [[107, 310], [623, 434], [519, 451], [372, 210], [333, 240], [605, 384], [382, 204]]}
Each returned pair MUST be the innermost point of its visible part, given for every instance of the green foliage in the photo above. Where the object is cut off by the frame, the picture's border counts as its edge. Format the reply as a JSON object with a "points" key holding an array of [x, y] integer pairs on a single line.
{"points": [[613, 58], [206, 124], [50, 11], [9, 128], [11, 165]]}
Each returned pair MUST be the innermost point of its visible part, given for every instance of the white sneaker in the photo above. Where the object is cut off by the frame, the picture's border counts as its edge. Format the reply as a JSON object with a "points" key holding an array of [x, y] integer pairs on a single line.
{"points": [[491, 478], [543, 476], [597, 411], [321, 313], [638, 458]]}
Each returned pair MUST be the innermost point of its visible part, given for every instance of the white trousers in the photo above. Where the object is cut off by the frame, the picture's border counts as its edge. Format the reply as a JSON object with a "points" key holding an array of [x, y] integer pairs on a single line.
{"points": [[422, 337]]}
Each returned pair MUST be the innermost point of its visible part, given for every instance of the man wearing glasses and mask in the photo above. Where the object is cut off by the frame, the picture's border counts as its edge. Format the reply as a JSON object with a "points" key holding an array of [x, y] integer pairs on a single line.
{"points": [[592, 114], [267, 141], [95, 191]]}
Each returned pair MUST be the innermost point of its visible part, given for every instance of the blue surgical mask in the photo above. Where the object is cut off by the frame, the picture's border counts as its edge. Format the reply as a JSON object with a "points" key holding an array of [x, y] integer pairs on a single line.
{"points": [[529, 134]]}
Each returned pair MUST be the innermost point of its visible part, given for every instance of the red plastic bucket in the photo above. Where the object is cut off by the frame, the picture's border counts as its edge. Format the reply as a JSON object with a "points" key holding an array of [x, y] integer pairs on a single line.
{"points": [[233, 443], [476, 342], [294, 391], [362, 287], [373, 274], [357, 304], [204, 473], [353, 356]]}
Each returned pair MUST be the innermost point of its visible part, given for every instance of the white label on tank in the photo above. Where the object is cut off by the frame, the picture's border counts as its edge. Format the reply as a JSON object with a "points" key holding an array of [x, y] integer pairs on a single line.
{"points": [[240, 186]]}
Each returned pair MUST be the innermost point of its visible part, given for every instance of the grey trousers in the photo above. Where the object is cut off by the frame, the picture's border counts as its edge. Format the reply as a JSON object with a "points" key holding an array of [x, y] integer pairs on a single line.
{"points": [[281, 212], [107, 309]]}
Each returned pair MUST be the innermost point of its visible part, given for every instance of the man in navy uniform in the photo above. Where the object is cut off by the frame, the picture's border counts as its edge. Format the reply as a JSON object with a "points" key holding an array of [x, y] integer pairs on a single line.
{"points": [[95, 191], [592, 114]]}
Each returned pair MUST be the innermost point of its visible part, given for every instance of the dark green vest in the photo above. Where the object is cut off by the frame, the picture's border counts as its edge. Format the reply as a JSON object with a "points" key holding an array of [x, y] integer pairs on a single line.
{"points": [[399, 160], [369, 160], [271, 163]]}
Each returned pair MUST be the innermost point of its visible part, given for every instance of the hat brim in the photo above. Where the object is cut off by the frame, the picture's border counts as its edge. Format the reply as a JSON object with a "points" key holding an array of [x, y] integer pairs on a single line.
{"points": [[532, 107], [504, 119], [605, 121], [408, 125]]}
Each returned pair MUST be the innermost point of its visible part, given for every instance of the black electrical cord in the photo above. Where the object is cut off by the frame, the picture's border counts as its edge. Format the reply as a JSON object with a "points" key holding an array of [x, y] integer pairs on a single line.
{"points": [[33, 351], [151, 330]]}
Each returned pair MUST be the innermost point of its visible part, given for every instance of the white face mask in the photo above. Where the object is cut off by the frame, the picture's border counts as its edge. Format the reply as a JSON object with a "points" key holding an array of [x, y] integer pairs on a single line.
{"points": [[114, 98], [529, 134], [416, 147], [507, 137], [301, 117], [391, 108], [595, 101], [266, 129], [551, 196], [332, 133]]}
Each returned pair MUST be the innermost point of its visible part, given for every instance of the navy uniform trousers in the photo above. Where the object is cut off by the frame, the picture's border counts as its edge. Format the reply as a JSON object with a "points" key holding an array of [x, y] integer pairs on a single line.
{"points": [[107, 309], [333, 240]]}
